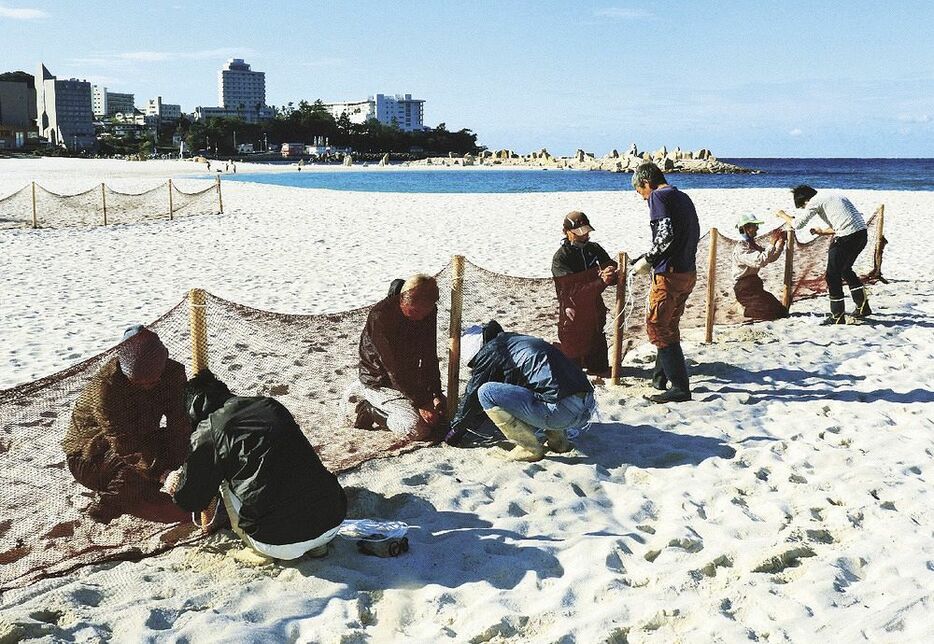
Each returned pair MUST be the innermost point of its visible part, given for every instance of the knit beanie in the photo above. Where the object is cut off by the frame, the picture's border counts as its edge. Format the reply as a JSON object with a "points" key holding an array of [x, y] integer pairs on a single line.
{"points": [[142, 354]]}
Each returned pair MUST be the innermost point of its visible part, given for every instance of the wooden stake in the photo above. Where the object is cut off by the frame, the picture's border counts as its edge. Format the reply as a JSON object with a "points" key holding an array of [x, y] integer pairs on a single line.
{"points": [[619, 324], [197, 323], [711, 286], [454, 332], [171, 209], [104, 202], [220, 200], [35, 222], [788, 289], [877, 256]]}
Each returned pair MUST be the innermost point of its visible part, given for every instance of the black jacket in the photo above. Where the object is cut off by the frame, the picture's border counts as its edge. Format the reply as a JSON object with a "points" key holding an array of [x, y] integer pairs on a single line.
{"points": [[255, 445], [520, 360], [576, 259], [401, 354]]}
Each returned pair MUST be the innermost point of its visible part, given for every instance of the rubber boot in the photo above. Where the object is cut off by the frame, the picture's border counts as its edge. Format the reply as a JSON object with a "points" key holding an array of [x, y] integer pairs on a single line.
{"points": [[522, 434], [862, 302], [837, 313], [557, 441], [659, 380], [672, 359]]}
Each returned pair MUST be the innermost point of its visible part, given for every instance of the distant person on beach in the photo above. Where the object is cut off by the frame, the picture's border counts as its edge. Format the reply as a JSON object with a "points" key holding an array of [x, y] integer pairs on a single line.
{"points": [[848, 227], [748, 258], [301, 164], [115, 444], [281, 500], [675, 233], [523, 385], [401, 382], [582, 270]]}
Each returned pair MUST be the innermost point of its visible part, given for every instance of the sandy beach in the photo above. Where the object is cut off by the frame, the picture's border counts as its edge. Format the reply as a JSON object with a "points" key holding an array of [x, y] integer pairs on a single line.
{"points": [[787, 502]]}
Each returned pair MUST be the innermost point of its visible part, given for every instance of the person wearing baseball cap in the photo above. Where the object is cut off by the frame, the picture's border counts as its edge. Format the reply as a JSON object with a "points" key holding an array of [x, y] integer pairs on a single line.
{"points": [[116, 445], [748, 258], [582, 270]]}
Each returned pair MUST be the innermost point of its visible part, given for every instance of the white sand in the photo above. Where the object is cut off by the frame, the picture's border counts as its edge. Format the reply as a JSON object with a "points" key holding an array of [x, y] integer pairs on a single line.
{"points": [[787, 502]]}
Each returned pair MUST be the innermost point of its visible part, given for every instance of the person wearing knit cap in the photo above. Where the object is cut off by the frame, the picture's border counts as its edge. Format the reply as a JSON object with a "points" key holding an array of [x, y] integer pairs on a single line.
{"points": [[116, 445]]}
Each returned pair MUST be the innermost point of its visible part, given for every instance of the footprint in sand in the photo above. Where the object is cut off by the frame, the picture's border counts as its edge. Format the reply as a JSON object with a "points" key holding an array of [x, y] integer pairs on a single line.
{"points": [[160, 619], [87, 597], [710, 570], [780, 562]]}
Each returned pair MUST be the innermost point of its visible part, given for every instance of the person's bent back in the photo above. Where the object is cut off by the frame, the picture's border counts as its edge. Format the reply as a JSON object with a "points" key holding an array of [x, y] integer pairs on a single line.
{"points": [[280, 497]]}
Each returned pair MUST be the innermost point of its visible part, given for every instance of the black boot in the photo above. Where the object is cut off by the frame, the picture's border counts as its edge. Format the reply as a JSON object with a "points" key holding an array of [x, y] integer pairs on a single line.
{"points": [[861, 301], [659, 380], [837, 313], [674, 367]]}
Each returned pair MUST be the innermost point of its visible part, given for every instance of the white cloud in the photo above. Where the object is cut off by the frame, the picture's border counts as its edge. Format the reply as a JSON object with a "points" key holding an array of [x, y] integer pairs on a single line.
{"points": [[622, 13], [21, 14], [163, 56], [795, 132], [915, 118]]}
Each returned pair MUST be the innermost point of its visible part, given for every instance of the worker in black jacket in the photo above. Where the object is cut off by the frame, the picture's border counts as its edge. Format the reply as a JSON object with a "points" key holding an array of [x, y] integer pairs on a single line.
{"points": [[582, 270], [282, 502]]}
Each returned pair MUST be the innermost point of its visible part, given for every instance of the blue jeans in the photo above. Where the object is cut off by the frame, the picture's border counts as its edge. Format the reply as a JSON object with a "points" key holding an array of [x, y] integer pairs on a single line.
{"points": [[568, 413]]}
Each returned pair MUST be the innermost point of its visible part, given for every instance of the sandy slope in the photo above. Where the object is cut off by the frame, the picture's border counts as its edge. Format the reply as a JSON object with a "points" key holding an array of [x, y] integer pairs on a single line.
{"points": [[789, 501]]}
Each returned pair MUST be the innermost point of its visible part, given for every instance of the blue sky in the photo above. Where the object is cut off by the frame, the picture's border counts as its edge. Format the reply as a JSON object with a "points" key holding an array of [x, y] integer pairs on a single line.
{"points": [[842, 78]]}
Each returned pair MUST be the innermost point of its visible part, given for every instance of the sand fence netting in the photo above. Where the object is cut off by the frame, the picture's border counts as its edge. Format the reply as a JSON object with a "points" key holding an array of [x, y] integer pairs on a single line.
{"points": [[36, 206], [307, 362]]}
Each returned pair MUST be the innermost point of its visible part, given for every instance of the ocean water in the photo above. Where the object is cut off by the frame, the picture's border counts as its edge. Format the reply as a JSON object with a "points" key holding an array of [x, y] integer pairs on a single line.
{"points": [[867, 174]]}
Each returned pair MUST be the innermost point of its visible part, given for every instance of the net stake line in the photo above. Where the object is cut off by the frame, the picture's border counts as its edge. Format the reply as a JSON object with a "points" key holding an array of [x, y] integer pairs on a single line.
{"points": [[35, 223], [104, 202], [877, 255], [199, 349], [711, 286], [789, 277], [220, 199], [619, 322], [454, 332], [171, 210]]}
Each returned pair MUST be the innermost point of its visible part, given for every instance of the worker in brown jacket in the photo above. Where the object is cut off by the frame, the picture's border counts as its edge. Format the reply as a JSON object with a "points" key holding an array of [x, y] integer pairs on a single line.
{"points": [[115, 444]]}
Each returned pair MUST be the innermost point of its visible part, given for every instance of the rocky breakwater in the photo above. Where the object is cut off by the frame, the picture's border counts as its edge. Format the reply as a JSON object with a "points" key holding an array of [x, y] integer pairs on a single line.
{"points": [[677, 160]]}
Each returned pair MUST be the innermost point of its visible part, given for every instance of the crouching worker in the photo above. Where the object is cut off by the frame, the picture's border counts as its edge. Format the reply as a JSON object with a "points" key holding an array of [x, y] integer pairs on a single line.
{"points": [[115, 444], [523, 384], [401, 382], [281, 500], [748, 258]]}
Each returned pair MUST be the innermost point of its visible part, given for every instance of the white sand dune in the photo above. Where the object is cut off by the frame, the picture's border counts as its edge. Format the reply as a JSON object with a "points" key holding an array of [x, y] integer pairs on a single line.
{"points": [[787, 502]]}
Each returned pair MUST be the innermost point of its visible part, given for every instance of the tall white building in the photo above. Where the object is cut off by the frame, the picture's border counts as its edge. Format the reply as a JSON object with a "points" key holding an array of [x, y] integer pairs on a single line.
{"points": [[63, 109], [406, 112], [104, 103], [165, 111], [240, 88]]}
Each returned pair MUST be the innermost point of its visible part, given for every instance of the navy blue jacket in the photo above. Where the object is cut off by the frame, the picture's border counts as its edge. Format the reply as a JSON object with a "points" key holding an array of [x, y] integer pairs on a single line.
{"points": [[520, 360]]}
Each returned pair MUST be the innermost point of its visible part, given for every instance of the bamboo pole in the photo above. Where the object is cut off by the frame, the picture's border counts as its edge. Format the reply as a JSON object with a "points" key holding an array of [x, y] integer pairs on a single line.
{"points": [[220, 199], [35, 219], [454, 332], [877, 255], [788, 288], [171, 209], [104, 202], [619, 322], [197, 322], [711, 286]]}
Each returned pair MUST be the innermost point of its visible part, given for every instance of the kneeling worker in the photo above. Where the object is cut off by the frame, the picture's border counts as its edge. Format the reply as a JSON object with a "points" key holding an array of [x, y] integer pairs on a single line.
{"points": [[523, 384], [281, 500], [748, 258]]}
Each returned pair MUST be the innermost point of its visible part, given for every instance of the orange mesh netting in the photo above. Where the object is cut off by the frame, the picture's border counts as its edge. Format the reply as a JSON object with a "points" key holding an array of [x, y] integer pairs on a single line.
{"points": [[305, 361], [88, 208]]}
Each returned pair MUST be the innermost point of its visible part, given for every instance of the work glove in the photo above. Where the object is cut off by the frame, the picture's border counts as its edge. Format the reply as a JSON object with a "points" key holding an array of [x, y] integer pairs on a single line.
{"points": [[641, 266]]}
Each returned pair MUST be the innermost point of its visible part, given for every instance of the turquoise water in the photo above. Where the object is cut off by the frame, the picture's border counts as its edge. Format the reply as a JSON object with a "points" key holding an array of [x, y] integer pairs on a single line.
{"points": [[869, 174]]}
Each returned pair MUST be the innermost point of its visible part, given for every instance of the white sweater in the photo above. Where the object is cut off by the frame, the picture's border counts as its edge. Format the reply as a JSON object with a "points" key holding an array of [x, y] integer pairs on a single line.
{"points": [[747, 260], [835, 210]]}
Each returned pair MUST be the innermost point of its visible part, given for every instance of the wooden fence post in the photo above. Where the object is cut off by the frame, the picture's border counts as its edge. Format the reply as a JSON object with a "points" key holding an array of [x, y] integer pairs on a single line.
{"points": [[711, 286], [619, 321], [197, 323], [104, 202], [220, 199], [171, 209], [877, 254], [454, 332], [35, 219], [789, 279]]}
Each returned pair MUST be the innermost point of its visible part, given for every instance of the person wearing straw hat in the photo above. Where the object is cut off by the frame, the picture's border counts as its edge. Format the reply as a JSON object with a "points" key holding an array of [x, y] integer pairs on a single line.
{"points": [[748, 257], [281, 500], [848, 228], [398, 369], [115, 444], [675, 234], [524, 385], [582, 270]]}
